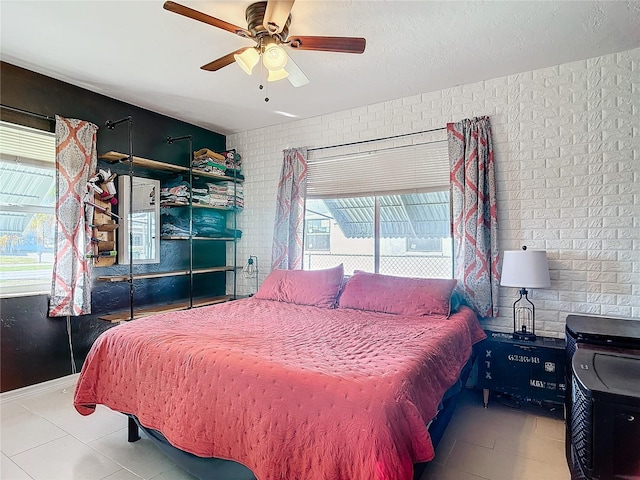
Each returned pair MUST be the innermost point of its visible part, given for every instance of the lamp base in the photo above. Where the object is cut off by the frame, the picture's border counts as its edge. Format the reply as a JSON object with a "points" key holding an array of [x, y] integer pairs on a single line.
{"points": [[526, 336]]}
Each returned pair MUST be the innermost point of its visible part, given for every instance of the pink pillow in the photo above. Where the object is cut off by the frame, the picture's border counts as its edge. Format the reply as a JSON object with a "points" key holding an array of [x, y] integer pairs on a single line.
{"points": [[399, 295], [304, 287]]}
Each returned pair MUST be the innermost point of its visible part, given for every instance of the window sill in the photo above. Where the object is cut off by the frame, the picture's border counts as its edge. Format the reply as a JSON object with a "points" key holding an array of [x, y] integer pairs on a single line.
{"points": [[33, 293]]}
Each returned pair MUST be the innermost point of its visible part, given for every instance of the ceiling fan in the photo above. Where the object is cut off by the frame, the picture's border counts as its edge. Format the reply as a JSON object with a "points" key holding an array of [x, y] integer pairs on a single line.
{"points": [[268, 25]]}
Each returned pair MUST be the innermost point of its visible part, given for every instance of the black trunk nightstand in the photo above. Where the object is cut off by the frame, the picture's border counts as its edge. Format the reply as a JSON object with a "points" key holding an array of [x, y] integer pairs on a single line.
{"points": [[526, 370]]}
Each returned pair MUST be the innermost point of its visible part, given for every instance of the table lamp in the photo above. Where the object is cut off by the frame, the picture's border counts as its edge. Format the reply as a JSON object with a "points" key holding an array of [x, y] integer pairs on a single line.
{"points": [[525, 269]]}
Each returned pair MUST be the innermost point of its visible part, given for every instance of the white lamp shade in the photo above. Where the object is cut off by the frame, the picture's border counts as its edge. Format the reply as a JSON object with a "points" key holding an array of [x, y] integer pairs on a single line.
{"points": [[275, 75], [274, 57], [525, 269], [247, 60]]}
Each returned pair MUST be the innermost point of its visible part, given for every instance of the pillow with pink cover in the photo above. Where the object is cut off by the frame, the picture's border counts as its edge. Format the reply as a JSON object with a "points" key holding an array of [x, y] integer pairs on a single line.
{"points": [[398, 295], [318, 288]]}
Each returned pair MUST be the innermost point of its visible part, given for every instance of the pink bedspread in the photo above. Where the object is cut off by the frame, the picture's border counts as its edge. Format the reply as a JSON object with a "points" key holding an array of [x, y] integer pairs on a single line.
{"points": [[292, 392]]}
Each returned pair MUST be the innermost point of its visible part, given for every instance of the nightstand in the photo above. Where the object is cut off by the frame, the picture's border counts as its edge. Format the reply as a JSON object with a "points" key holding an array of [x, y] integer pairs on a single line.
{"points": [[531, 371]]}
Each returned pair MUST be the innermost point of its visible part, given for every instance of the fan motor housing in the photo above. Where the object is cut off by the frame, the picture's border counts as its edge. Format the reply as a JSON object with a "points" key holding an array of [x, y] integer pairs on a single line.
{"points": [[255, 17]]}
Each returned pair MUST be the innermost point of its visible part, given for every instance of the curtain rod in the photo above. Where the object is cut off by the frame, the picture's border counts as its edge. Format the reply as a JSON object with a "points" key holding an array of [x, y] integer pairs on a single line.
{"points": [[375, 139], [322, 159], [26, 112]]}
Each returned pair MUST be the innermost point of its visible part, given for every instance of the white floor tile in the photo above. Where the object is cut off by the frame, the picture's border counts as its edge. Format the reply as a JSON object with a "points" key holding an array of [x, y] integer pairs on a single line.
{"points": [[499, 465], [534, 447], [439, 472], [550, 427], [122, 475], [44, 438], [11, 471], [26, 430], [443, 450], [11, 409], [57, 407], [50, 400], [66, 458], [141, 457]]}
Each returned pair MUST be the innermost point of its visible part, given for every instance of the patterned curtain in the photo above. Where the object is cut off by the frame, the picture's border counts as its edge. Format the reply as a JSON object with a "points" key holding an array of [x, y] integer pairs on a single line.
{"points": [[475, 218], [288, 234], [76, 161]]}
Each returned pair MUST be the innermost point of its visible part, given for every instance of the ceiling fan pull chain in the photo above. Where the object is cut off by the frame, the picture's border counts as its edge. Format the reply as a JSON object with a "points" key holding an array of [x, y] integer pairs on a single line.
{"points": [[261, 86]]}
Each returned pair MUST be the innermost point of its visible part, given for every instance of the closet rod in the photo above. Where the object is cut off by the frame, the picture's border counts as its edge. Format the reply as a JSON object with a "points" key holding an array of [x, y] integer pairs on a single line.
{"points": [[376, 139], [26, 112]]}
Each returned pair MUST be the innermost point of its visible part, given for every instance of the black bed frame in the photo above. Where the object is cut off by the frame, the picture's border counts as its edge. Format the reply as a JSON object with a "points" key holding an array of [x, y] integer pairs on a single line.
{"points": [[219, 469]]}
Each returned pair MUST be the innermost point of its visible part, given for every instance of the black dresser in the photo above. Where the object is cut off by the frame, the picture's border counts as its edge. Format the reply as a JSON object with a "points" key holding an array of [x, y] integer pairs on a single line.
{"points": [[528, 370], [602, 404]]}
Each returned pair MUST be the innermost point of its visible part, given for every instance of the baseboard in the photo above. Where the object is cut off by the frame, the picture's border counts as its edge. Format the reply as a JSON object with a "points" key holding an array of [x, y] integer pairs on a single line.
{"points": [[24, 392]]}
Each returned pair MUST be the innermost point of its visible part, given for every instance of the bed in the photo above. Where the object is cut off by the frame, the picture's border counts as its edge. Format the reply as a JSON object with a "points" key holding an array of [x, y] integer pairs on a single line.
{"points": [[309, 379]]}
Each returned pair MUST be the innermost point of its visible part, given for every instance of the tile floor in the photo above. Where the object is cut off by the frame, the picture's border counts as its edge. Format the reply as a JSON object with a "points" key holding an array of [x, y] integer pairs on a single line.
{"points": [[500, 443], [42, 437]]}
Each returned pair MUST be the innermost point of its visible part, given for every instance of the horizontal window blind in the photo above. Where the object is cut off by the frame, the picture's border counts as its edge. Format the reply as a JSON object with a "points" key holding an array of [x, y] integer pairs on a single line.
{"points": [[28, 144], [419, 167]]}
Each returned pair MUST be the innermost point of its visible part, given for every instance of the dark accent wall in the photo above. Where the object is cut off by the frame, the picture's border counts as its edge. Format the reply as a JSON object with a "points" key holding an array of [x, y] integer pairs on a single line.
{"points": [[34, 347]]}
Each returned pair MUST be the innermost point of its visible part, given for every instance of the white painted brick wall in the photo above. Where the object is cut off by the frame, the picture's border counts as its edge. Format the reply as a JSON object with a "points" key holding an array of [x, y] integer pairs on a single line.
{"points": [[567, 145]]}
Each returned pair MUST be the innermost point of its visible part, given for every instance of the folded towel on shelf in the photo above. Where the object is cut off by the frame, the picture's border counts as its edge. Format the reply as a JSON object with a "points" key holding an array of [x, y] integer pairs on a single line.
{"points": [[208, 166], [174, 182], [206, 223], [170, 229], [234, 173], [174, 191], [205, 152]]}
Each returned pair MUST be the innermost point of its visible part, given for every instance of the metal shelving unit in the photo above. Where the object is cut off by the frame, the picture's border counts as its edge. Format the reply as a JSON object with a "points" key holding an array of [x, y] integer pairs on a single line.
{"points": [[141, 162]]}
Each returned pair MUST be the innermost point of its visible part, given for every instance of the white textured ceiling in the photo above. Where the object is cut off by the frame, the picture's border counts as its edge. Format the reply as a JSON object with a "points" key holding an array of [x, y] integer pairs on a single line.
{"points": [[137, 52]]}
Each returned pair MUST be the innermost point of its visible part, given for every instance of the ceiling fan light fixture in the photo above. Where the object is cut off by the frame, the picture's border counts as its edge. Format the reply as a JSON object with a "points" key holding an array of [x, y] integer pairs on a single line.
{"points": [[275, 75], [274, 57], [247, 60]]}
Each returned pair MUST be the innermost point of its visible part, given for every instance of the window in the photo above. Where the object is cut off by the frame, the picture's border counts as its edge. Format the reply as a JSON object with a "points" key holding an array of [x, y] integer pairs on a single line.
{"points": [[318, 233], [389, 210], [27, 209], [396, 249]]}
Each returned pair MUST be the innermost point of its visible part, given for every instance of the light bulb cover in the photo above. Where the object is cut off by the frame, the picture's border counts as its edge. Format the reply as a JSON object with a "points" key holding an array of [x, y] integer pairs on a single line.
{"points": [[247, 60], [274, 57], [275, 75]]}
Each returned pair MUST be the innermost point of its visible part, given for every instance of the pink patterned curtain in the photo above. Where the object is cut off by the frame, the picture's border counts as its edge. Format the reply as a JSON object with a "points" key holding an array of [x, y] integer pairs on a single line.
{"points": [[288, 234], [475, 218], [76, 161]]}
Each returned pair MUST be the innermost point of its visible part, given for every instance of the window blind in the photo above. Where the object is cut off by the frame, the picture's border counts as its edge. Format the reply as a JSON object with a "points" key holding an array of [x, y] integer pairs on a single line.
{"points": [[18, 142], [419, 167]]}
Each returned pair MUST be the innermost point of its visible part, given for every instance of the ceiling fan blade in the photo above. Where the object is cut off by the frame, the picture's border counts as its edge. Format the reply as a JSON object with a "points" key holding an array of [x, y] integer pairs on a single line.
{"points": [[329, 44], [223, 61], [276, 15], [296, 77], [204, 18]]}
